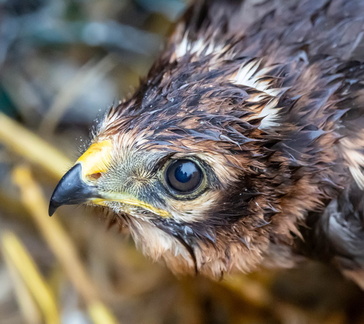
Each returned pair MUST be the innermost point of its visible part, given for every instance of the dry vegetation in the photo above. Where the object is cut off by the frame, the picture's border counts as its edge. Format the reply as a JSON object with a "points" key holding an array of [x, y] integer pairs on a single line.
{"points": [[62, 64]]}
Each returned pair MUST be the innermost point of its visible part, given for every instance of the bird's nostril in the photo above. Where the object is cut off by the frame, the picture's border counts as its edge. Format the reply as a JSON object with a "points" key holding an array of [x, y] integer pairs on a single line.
{"points": [[94, 176]]}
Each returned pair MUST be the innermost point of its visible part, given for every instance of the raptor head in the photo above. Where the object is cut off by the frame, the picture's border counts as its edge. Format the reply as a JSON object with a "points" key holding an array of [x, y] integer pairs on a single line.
{"points": [[198, 163]]}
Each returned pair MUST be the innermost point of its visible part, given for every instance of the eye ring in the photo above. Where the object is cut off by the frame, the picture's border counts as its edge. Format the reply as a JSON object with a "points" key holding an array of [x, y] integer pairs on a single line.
{"points": [[183, 176]]}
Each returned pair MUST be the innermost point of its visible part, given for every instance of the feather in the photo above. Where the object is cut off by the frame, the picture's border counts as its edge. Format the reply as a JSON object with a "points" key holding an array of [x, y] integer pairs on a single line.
{"points": [[266, 98]]}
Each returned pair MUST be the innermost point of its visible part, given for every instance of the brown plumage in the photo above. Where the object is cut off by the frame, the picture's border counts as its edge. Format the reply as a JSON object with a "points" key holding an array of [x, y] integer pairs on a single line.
{"points": [[244, 146]]}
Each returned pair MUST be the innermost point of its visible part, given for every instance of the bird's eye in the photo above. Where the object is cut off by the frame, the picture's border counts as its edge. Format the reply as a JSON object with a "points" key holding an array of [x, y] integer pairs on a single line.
{"points": [[184, 176]]}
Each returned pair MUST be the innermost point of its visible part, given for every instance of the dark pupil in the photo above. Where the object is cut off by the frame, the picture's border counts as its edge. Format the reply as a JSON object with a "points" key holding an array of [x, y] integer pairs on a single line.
{"points": [[185, 171], [184, 176]]}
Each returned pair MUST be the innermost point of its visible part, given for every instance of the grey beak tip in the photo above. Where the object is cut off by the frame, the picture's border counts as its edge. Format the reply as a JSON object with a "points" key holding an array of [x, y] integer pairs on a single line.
{"points": [[71, 190], [55, 201], [52, 208]]}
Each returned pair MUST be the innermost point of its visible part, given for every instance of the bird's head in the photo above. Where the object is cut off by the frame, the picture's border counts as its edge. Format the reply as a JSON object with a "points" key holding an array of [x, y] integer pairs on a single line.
{"points": [[195, 165], [188, 167]]}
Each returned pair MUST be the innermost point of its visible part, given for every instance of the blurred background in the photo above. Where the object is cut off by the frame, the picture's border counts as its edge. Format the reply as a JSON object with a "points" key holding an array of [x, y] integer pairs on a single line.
{"points": [[62, 64]]}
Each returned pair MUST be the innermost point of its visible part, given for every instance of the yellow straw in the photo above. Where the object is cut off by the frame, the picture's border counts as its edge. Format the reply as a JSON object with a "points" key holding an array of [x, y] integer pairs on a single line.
{"points": [[30, 146], [61, 245], [16, 254]]}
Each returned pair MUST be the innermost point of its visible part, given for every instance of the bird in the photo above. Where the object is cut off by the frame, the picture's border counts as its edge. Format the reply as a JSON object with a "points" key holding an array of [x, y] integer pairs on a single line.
{"points": [[243, 147]]}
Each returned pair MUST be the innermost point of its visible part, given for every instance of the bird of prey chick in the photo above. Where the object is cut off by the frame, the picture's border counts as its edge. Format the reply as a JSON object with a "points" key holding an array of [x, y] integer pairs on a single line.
{"points": [[244, 145]]}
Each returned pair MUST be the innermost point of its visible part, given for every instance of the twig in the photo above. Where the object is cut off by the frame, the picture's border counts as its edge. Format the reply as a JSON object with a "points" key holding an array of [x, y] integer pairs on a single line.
{"points": [[31, 147], [61, 245], [90, 72], [251, 291], [19, 260]]}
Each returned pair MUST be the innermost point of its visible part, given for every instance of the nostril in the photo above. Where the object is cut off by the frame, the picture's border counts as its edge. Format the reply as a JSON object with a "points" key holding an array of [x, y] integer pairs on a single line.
{"points": [[94, 176]]}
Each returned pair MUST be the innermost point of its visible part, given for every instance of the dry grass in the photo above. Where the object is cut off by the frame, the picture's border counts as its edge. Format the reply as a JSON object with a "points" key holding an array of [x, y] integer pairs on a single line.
{"points": [[70, 268]]}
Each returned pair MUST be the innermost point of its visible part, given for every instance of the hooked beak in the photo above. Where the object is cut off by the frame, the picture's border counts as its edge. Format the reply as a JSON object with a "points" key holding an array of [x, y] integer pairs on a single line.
{"points": [[78, 185], [75, 187], [72, 190]]}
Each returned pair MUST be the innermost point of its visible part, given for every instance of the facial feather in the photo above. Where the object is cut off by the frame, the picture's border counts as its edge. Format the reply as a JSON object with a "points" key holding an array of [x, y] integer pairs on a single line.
{"points": [[218, 117], [260, 114]]}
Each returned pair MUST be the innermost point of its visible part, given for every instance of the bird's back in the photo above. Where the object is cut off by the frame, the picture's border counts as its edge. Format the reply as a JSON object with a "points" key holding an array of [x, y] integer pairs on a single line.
{"points": [[321, 44], [331, 34]]}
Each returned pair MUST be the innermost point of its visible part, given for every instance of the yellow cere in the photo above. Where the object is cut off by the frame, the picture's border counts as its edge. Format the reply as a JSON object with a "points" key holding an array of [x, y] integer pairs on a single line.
{"points": [[129, 200], [96, 159]]}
